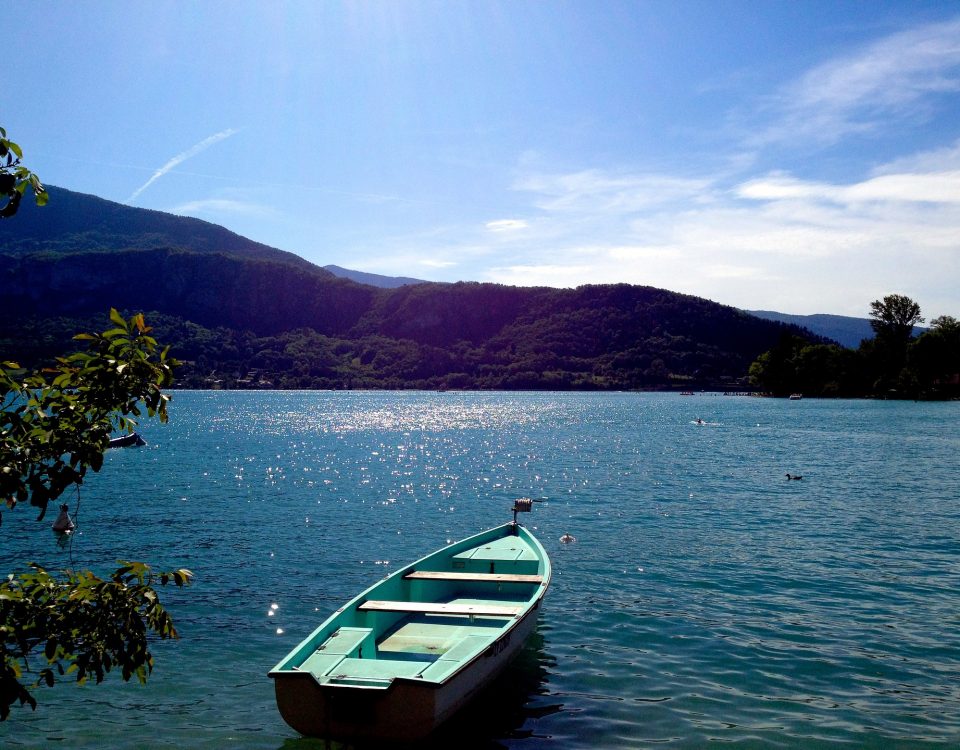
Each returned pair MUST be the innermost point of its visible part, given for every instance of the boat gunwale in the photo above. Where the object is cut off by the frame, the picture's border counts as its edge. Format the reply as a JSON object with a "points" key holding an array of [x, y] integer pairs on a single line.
{"points": [[284, 669]]}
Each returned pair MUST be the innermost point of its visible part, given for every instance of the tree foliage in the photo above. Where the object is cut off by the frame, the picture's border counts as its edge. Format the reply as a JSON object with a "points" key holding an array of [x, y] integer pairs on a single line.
{"points": [[615, 337], [79, 625], [56, 423], [892, 364], [15, 178], [54, 427], [894, 317]]}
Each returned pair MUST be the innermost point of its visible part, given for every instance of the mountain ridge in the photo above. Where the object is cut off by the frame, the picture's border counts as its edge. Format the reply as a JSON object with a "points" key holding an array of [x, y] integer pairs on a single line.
{"points": [[235, 307], [373, 279], [73, 221], [846, 330]]}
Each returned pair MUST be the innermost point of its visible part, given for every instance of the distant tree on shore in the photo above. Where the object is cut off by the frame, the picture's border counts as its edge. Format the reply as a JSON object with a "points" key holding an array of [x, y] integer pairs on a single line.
{"points": [[936, 354], [894, 317], [893, 364]]}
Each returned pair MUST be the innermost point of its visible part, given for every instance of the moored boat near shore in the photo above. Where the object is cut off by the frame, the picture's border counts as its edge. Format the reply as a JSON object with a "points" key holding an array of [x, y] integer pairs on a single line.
{"points": [[126, 441], [403, 656]]}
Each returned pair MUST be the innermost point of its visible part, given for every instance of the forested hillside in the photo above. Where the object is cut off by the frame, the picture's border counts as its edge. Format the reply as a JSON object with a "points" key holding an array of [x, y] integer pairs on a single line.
{"points": [[241, 314]]}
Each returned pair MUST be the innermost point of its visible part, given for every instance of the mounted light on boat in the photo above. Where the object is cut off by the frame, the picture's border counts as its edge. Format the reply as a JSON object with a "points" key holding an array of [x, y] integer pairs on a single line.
{"points": [[521, 505]]}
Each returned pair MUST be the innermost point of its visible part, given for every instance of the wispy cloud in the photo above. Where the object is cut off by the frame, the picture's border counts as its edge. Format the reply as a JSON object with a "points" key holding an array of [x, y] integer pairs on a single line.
{"points": [[506, 225], [909, 187], [752, 229], [595, 191], [223, 206], [898, 76], [774, 241], [182, 157]]}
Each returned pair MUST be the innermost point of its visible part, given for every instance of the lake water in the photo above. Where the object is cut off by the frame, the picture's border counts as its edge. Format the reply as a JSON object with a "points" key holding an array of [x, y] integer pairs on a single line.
{"points": [[707, 602]]}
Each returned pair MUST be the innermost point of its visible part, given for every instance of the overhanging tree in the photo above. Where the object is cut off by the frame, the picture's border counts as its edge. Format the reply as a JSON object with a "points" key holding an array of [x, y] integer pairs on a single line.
{"points": [[15, 178], [54, 428]]}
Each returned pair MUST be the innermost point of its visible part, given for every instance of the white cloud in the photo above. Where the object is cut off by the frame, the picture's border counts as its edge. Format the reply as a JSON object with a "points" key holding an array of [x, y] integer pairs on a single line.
{"points": [[751, 236], [182, 157], [634, 253], [934, 187], [595, 191], [223, 206], [945, 158], [895, 77], [506, 225], [543, 275], [773, 242]]}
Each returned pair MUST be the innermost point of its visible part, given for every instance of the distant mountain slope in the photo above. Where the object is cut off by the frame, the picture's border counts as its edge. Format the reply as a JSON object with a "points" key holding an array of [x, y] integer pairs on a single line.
{"points": [[235, 307], [373, 279], [212, 289], [844, 330], [77, 222]]}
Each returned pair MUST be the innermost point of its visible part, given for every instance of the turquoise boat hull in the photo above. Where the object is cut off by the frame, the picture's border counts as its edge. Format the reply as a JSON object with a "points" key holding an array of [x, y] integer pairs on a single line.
{"points": [[403, 656]]}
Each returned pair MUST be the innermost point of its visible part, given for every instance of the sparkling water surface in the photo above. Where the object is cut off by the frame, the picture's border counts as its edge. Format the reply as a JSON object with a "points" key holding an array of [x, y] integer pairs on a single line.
{"points": [[707, 602]]}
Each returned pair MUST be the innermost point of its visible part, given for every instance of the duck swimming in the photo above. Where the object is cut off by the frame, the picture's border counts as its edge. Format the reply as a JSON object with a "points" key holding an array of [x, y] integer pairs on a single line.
{"points": [[794, 476]]}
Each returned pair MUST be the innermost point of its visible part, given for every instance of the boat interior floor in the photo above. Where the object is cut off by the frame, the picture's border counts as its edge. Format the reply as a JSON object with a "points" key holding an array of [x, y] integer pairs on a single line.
{"points": [[422, 646], [424, 638]]}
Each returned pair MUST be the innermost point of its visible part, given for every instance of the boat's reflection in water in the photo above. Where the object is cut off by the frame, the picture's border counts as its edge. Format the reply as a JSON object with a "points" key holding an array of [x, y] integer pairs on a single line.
{"points": [[500, 713]]}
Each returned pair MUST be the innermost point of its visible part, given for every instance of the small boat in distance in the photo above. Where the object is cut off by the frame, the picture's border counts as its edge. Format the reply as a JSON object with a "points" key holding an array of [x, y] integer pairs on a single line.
{"points": [[796, 396], [403, 656], [127, 441]]}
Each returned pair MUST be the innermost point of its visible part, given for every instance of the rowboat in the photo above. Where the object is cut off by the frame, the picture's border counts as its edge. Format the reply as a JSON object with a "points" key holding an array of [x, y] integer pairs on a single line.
{"points": [[404, 655]]}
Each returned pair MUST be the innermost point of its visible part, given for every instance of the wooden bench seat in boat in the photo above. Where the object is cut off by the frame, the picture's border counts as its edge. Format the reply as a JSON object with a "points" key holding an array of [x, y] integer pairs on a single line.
{"points": [[436, 608], [443, 575]]}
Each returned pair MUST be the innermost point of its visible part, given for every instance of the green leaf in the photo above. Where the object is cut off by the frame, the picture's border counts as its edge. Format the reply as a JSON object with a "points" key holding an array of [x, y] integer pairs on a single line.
{"points": [[117, 318], [56, 433]]}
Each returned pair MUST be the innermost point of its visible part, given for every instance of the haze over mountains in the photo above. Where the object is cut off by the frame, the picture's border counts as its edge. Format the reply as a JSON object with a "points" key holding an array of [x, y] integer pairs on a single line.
{"points": [[240, 311]]}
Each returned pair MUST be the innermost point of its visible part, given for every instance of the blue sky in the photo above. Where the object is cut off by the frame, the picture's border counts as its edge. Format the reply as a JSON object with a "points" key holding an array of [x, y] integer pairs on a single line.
{"points": [[794, 156]]}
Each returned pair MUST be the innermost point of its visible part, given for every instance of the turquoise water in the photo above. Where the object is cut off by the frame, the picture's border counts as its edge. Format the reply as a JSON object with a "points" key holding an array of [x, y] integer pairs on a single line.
{"points": [[707, 600]]}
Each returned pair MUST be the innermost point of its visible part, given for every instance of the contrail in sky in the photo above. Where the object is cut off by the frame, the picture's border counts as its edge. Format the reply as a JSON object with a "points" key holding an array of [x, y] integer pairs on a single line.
{"points": [[180, 158]]}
